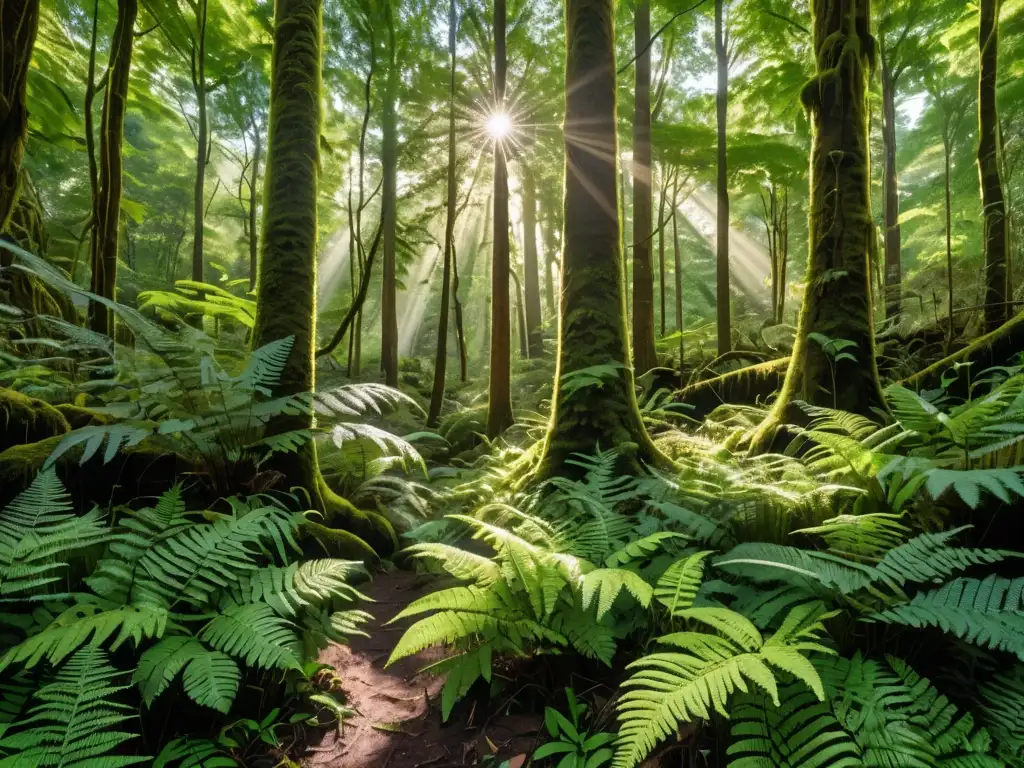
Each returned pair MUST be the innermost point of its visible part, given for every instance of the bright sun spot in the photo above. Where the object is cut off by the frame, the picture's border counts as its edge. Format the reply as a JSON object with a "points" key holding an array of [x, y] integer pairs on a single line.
{"points": [[498, 126]]}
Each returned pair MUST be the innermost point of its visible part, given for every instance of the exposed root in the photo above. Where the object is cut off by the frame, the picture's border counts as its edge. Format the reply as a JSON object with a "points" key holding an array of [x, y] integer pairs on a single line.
{"points": [[744, 386]]}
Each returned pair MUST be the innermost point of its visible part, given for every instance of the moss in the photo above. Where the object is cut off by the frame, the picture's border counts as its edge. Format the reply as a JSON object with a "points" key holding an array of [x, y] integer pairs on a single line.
{"points": [[994, 348], [744, 386], [27, 420], [19, 463], [79, 417], [373, 530], [336, 542]]}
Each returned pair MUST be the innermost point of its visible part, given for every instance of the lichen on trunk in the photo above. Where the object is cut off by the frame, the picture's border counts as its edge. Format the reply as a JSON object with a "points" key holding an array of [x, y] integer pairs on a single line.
{"points": [[17, 36], [837, 298], [592, 327]]}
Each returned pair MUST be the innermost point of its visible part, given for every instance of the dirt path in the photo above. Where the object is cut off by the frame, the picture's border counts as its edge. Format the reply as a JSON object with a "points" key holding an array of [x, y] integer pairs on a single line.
{"points": [[399, 722]]}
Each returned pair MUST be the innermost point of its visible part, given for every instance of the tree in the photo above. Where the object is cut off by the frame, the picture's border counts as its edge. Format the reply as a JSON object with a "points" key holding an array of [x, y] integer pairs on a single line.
{"points": [[20, 23], [722, 312], [989, 167], [644, 354], [441, 358], [107, 202], [389, 210], [531, 275], [833, 362], [592, 328], [286, 304], [499, 407]]}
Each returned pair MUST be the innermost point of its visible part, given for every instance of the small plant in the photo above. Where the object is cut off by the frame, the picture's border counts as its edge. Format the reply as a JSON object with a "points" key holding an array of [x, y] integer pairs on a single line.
{"points": [[577, 747], [833, 349]]}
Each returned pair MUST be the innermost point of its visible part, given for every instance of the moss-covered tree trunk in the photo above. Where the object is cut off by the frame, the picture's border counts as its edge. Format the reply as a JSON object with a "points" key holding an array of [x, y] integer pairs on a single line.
{"points": [[644, 354], [723, 313], [389, 212], [107, 205], [989, 157], [677, 268], [592, 326], [199, 85], [531, 275], [837, 300], [254, 178], [286, 304], [947, 167], [499, 404], [441, 356], [20, 19], [550, 263], [891, 193], [663, 316]]}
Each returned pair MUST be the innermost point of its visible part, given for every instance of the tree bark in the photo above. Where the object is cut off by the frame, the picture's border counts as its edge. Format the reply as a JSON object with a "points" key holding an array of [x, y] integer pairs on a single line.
{"points": [[989, 154], [202, 141], [499, 409], [441, 356], [389, 213], [107, 207], [253, 205], [17, 37], [645, 356], [837, 299], [891, 192], [550, 246], [722, 311], [531, 275], [661, 251], [592, 331], [678, 269], [946, 151]]}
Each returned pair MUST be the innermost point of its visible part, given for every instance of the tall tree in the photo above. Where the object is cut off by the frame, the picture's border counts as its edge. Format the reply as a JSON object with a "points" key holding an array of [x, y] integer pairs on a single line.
{"points": [[107, 202], [531, 276], [645, 356], [837, 300], [201, 88], [17, 37], [722, 310], [286, 304], [441, 357], [389, 210], [989, 168], [592, 328], [499, 408]]}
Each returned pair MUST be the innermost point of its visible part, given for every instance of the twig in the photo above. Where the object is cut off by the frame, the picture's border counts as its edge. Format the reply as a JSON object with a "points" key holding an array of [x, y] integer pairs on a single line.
{"points": [[657, 34]]}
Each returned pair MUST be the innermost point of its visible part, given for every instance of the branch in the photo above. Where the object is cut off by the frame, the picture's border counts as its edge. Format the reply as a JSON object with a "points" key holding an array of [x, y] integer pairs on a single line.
{"points": [[357, 303], [788, 20], [657, 34]]}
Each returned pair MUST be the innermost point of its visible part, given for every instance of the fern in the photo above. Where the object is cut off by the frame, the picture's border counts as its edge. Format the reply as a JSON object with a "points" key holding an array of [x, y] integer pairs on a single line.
{"points": [[75, 720], [605, 584], [761, 562], [670, 688], [1002, 710], [927, 558], [985, 612], [193, 753], [801, 732], [254, 634], [210, 678], [678, 585]]}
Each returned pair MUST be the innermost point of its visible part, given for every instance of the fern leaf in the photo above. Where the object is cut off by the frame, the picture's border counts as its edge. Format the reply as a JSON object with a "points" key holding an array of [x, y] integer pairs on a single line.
{"points": [[116, 436], [640, 549], [211, 680], [193, 753], [606, 583], [1002, 709], [774, 562], [254, 634], [459, 562], [159, 665], [678, 585], [927, 558]]}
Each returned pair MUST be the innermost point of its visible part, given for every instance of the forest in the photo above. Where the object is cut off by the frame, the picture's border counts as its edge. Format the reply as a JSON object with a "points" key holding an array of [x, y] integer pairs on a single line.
{"points": [[511, 383]]}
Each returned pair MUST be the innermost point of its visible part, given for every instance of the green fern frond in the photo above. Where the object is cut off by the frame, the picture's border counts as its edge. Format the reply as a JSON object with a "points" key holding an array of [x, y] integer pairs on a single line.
{"points": [[866, 538], [801, 732], [193, 753], [211, 680], [678, 585], [75, 720], [928, 558], [986, 612], [762, 562], [640, 549], [363, 399], [116, 437], [387, 443], [266, 364], [458, 562], [256, 635], [605, 584], [912, 410], [1002, 709]]}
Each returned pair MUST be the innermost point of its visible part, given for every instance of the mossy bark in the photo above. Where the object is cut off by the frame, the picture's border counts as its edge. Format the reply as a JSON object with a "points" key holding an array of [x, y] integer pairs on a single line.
{"points": [[389, 212], [441, 356], [254, 175], [989, 161], [286, 304], [20, 19], [199, 86], [531, 275], [25, 419], [723, 312], [746, 386], [499, 394], [678, 270], [592, 326], [107, 203], [891, 191], [645, 356], [837, 299]]}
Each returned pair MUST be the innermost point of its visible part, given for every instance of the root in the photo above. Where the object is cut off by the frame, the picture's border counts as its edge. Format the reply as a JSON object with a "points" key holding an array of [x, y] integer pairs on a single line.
{"points": [[744, 386]]}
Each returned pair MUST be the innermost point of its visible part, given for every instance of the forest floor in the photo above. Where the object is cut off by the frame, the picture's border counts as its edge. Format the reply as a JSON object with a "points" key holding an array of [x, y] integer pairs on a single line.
{"points": [[398, 724]]}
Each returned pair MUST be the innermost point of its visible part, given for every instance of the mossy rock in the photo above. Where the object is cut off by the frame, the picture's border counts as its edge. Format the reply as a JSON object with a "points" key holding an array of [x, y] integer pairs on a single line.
{"points": [[27, 419], [745, 386]]}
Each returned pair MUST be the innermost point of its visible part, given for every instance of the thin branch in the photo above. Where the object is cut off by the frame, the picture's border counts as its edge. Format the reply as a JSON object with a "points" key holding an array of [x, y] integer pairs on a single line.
{"points": [[788, 20], [657, 34]]}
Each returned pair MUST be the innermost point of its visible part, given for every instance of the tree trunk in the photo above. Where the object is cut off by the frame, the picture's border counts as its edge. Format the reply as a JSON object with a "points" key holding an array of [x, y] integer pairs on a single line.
{"points": [[592, 331], [723, 314], [893, 268], [946, 151], [531, 275], [108, 203], [202, 141], [837, 300], [524, 347], [550, 245], [989, 152], [645, 356], [678, 268], [17, 37], [389, 214], [784, 262], [661, 251], [253, 200], [441, 356], [499, 409]]}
